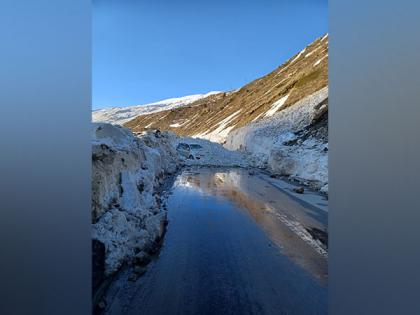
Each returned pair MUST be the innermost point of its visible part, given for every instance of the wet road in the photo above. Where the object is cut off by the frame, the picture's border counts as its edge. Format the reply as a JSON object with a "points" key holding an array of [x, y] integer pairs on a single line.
{"points": [[235, 244]]}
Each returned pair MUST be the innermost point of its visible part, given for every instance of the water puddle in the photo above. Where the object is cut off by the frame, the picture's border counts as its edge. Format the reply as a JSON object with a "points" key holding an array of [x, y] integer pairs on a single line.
{"points": [[235, 244], [298, 229]]}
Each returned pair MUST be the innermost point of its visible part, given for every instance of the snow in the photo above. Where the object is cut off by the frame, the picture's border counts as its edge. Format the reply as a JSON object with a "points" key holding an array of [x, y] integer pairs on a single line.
{"points": [[298, 56], [324, 37], [188, 121], [126, 173], [227, 120], [120, 115], [319, 61], [309, 197], [256, 118], [264, 141], [310, 53], [115, 137], [128, 170], [276, 106], [324, 189], [224, 133], [303, 161], [221, 132], [177, 125], [301, 231], [211, 154]]}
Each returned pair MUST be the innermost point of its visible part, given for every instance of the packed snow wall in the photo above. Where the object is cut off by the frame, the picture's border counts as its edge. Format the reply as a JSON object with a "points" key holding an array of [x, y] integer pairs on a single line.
{"points": [[126, 173], [292, 142]]}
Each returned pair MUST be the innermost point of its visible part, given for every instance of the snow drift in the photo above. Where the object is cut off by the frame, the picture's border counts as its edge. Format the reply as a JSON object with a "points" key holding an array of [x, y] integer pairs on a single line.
{"points": [[292, 142]]}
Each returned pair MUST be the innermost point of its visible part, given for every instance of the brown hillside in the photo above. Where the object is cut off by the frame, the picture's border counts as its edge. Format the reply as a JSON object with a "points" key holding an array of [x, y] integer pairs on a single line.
{"points": [[300, 76]]}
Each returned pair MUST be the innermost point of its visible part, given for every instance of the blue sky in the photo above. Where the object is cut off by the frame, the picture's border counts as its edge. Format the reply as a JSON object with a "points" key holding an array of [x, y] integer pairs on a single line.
{"points": [[145, 51]]}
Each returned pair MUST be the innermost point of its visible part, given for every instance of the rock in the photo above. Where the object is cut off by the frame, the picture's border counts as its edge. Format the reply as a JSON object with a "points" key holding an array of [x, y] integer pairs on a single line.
{"points": [[154, 248], [142, 258], [155, 226], [183, 149], [133, 277], [280, 163], [324, 189], [140, 187], [150, 248], [299, 190], [102, 304], [98, 263], [158, 134], [195, 146], [138, 270]]}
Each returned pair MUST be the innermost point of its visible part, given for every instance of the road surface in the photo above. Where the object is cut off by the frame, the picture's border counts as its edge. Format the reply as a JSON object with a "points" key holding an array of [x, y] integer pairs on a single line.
{"points": [[236, 243]]}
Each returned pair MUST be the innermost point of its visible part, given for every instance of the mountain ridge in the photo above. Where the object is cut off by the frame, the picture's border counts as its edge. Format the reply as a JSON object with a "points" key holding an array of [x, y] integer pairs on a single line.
{"points": [[121, 114], [215, 116]]}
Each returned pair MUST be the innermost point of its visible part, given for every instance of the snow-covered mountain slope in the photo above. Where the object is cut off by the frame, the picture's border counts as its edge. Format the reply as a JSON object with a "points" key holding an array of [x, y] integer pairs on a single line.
{"points": [[214, 117], [120, 115]]}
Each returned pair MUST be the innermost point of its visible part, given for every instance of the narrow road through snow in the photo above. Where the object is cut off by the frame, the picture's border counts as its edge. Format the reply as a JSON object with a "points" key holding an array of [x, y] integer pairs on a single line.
{"points": [[235, 244]]}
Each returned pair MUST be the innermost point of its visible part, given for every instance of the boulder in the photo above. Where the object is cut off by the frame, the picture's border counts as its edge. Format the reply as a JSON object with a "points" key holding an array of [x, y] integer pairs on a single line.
{"points": [[299, 190]]}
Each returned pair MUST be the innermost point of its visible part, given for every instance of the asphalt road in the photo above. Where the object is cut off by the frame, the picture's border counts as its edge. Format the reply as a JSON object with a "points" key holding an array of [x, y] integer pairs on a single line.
{"points": [[229, 249]]}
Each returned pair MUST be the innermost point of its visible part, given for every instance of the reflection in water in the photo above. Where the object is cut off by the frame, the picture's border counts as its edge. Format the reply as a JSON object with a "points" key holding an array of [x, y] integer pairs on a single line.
{"points": [[287, 222], [234, 244]]}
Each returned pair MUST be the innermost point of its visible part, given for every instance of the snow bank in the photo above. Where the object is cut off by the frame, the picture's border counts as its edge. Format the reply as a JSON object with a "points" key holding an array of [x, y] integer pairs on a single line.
{"points": [[281, 144], [126, 172]]}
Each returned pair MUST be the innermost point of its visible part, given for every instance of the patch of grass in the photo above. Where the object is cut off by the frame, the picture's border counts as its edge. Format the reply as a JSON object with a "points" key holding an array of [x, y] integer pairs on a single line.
{"points": [[308, 78]]}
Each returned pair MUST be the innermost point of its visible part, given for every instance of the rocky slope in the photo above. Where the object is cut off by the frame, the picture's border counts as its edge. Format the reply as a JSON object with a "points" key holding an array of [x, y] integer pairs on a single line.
{"points": [[214, 117]]}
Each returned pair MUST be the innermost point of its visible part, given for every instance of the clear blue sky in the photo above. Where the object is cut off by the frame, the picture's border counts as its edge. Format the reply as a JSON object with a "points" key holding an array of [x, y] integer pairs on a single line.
{"points": [[148, 50]]}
